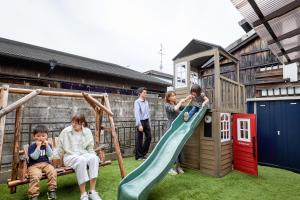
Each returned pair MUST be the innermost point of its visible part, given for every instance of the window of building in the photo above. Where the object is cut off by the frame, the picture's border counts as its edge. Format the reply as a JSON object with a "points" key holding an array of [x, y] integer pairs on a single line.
{"points": [[181, 75], [194, 78], [225, 127], [244, 130]]}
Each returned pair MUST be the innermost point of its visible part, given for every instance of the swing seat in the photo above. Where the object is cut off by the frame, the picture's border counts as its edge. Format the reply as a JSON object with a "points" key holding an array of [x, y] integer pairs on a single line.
{"points": [[22, 173]]}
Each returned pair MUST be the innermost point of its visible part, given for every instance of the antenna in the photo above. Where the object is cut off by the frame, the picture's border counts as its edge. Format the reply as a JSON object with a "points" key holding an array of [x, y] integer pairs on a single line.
{"points": [[161, 55]]}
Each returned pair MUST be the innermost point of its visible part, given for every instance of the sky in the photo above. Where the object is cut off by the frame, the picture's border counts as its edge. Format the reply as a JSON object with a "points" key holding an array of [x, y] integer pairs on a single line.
{"points": [[123, 32]]}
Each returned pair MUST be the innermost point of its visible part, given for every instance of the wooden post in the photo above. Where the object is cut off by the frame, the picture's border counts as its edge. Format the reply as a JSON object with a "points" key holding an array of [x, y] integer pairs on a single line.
{"points": [[239, 87], [16, 146], [3, 104], [115, 139], [98, 128], [21, 101], [217, 80]]}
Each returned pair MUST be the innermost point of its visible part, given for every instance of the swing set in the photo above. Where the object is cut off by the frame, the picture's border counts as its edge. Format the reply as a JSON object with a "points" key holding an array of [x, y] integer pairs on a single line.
{"points": [[99, 103]]}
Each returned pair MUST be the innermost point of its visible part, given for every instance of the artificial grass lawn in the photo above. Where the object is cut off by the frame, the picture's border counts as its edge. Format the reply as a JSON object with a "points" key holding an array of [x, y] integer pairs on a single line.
{"points": [[272, 184]]}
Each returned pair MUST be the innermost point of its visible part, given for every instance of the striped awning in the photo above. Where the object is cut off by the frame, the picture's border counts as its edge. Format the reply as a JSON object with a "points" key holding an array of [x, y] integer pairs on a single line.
{"points": [[277, 22]]}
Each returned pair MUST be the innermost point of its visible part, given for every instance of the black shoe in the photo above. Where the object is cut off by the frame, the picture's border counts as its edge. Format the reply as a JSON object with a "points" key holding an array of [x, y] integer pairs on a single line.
{"points": [[51, 195]]}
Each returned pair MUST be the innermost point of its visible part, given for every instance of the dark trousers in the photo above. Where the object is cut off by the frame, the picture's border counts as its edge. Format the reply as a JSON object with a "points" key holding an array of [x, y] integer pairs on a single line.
{"points": [[142, 149]]}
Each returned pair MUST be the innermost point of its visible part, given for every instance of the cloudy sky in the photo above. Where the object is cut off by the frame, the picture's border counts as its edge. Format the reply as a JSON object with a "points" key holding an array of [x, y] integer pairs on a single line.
{"points": [[124, 32]]}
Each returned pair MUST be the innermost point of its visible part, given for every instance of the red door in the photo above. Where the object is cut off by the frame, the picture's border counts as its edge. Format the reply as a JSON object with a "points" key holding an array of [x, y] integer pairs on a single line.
{"points": [[244, 143]]}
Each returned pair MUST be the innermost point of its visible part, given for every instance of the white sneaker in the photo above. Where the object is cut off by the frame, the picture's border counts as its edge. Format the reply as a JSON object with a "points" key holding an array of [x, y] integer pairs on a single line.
{"points": [[84, 196], [179, 170], [186, 116], [94, 196], [172, 172]]}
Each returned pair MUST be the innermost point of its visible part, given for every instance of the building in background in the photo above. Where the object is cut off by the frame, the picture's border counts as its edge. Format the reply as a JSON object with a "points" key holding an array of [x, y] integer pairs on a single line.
{"points": [[30, 65]]}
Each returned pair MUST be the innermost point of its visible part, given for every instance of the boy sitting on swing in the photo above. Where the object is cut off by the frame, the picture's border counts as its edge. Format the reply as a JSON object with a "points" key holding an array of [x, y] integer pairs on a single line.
{"points": [[39, 153]]}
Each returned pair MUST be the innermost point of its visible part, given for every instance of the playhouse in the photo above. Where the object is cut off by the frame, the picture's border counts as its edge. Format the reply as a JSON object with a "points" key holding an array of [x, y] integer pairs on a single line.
{"points": [[210, 148]]}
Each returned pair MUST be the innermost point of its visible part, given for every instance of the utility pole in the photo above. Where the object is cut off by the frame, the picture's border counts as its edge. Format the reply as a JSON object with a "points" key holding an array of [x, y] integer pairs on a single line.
{"points": [[161, 55]]}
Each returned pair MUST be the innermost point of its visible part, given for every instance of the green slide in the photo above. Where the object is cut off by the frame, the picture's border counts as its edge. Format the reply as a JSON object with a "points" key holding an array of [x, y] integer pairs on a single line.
{"points": [[139, 182]]}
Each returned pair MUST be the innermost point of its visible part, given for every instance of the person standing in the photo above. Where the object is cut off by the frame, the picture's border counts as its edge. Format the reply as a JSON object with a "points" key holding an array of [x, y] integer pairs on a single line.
{"points": [[142, 123]]}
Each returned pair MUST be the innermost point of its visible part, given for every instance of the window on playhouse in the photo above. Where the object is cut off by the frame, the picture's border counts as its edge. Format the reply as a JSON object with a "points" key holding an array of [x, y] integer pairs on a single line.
{"points": [[181, 75], [194, 78], [243, 130], [225, 127]]}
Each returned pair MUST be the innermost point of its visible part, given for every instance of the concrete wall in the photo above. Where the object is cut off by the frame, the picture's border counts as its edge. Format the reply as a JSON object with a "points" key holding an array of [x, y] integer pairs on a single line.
{"points": [[55, 113]]}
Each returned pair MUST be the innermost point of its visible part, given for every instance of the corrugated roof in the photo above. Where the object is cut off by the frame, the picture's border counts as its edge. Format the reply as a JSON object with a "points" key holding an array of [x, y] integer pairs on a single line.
{"points": [[39, 54], [277, 22]]}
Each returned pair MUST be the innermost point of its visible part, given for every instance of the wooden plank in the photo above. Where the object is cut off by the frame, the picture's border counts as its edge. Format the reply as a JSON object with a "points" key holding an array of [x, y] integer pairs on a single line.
{"points": [[16, 147], [217, 141], [226, 146], [52, 93], [115, 139], [204, 156], [3, 104], [227, 156], [208, 171], [226, 151], [226, 171], [19, 102]]}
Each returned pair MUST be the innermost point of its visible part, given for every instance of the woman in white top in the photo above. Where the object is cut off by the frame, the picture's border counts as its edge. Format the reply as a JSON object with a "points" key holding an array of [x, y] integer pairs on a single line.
{"points": [[76, 143]]}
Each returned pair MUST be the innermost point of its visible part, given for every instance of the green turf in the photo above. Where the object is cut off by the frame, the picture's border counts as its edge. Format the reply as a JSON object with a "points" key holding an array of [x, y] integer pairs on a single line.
{"points": [[272, 184]]}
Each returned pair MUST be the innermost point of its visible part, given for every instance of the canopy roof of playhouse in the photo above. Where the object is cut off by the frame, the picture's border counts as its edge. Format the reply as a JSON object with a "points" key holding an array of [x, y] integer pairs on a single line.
{"points": [[197, 46], [277, 22]]}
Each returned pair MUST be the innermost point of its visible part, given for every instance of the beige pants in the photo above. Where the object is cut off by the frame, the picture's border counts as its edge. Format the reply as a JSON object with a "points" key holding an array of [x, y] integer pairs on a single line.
{"points": [[35, 174]]}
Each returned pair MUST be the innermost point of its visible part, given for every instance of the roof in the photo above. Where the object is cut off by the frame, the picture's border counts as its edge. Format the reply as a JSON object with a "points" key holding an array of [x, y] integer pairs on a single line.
{"points": [[158, 73], [198, 46], [39, 54], [235, 46], [277, 22]]}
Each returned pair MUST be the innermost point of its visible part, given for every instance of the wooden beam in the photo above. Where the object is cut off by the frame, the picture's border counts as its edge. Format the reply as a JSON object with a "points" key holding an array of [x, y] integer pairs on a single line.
{"points": [[20, 102], [3, 103], [195, 56], [217, 100], [51, 93], [115, 140], [268, 27], [285, 36], [295, 49], [228, 56], [278, 13], [16, 146], [93, 102]]}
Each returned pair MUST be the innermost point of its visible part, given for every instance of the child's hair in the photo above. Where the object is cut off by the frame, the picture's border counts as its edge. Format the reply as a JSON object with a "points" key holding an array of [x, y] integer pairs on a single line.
{"points": [[40, 129], [80, 119], [196, 88], [140, 90], [167, 96]]}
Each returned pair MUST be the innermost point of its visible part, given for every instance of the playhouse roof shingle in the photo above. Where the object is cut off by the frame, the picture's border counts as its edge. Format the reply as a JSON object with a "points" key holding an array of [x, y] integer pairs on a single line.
{"points": [[39, 54]]}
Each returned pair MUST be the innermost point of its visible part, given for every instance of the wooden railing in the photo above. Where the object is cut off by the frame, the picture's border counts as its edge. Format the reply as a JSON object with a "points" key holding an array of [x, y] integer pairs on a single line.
{"points": [[232, 96]]}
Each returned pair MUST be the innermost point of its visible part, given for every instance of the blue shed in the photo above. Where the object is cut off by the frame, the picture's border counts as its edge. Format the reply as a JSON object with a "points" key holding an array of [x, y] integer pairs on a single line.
{"points": [[278, 131]]}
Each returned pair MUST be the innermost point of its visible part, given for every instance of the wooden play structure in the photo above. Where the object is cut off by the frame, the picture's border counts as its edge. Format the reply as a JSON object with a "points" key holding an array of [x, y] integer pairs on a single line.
{"points": [[99, 103], [210, 148]]}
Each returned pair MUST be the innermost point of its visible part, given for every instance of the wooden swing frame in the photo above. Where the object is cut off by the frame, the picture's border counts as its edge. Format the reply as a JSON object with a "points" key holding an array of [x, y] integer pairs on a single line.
{"points": [[18, 162]]}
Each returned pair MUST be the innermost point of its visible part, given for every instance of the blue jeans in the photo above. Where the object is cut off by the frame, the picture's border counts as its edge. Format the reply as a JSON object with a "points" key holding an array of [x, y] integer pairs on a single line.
{"points": [[193, 111]]}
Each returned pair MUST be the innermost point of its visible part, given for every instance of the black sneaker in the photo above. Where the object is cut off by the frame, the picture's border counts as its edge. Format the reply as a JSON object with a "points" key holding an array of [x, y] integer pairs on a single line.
{"points": [[51, 195]]}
